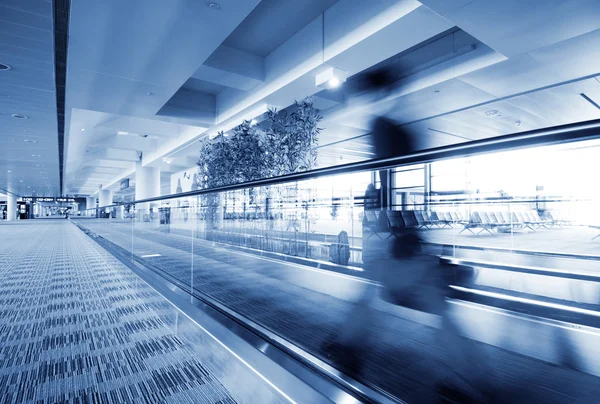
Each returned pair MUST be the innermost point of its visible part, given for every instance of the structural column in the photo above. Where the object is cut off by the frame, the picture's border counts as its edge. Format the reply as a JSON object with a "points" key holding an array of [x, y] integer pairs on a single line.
{"points": [[427, 186], [120, 212], [90, 203], [105, 197], [147, 185], [11, 208]]}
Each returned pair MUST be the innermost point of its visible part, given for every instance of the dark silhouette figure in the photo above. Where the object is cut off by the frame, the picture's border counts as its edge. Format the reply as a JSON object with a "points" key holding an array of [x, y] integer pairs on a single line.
{"points": [[409, 276]]}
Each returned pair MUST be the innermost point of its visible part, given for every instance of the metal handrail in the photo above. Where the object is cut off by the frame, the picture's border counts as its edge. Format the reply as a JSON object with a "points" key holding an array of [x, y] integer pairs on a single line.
{"points": [[557, 134]]}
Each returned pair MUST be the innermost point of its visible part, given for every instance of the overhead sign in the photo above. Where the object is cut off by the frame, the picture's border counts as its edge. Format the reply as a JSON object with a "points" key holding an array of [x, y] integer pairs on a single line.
{"points": [[125, 184], [47, 199]]}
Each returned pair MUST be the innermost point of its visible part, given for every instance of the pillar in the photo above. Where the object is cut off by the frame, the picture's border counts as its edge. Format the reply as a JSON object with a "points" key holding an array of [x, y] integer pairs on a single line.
{"points": [[90, 203], [427, 186], [105, 198], [11, 208], [147, 185], [120, 212]]}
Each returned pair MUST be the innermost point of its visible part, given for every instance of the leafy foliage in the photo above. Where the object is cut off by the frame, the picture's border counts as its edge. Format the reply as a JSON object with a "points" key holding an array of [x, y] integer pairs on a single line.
{"points": [[231, 159], [287, 146], [290, 139]]}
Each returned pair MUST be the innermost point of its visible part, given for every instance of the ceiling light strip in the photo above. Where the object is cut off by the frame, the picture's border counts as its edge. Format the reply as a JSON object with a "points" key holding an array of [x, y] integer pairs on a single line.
{"points": [[60, 16]]}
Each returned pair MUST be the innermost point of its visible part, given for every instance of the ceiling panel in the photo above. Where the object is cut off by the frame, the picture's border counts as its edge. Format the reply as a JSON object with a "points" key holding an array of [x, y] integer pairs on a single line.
{"points": [[442, 98], [272, 23], [160, 33], [35, 45], [574, 58], [514, 27], [513, 76], [35, 14], [203, 86], [26, 44], [443, 7], [24, 31]]}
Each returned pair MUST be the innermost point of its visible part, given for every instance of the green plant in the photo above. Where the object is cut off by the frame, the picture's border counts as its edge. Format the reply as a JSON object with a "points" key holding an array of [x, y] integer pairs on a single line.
{"points": [[231, 158], [287, 146], [291, 137]]}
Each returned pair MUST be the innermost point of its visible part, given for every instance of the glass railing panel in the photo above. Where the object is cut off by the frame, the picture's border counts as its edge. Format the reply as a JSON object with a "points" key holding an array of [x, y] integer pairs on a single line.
{"points": [[162, 239], [278, 255]]}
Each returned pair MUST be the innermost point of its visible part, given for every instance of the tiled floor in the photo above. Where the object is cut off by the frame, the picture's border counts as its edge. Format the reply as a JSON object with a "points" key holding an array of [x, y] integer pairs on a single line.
{"points": [[78, 326], [399, 356]]}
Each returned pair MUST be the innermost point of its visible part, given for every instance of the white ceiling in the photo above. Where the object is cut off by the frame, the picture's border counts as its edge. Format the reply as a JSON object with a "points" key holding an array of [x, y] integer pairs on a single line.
{"points": [[28, 147], [171, 73]]}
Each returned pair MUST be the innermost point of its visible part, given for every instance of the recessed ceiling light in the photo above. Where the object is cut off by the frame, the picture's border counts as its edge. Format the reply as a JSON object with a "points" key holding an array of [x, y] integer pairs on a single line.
{"points": [[82, 129], [4, 67], [122, 133], [214, 6], [19, 116], [36, 155], [492, 112], [149, 93], [334, 82], [20, 180], [30, 141], [9, 171]]}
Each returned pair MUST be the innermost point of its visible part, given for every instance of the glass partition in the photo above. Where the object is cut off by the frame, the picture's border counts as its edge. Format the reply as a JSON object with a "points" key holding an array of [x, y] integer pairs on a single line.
{"points": [[273, 254]]}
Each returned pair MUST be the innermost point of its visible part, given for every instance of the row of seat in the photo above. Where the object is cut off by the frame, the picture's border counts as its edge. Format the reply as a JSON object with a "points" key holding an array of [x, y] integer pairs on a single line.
{"points": [[503, 221], [389, 221]]}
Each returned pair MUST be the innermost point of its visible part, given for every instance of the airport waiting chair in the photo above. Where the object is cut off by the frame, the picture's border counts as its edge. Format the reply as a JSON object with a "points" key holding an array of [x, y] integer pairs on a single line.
{"points": [[504, 222], [520, 219], [543, 222], [533, 221], [396, 222], [597, 228], [473, 223], [554, 221], [445, 219], [434, 219], [370, 221], [422, 219], [491, 217], [486, 222], [409, 218], [456, 219], [529, 221]]}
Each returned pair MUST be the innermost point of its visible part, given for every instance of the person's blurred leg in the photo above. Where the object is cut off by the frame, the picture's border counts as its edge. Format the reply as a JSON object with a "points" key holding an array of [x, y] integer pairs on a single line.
{"points": [[467, 369]]}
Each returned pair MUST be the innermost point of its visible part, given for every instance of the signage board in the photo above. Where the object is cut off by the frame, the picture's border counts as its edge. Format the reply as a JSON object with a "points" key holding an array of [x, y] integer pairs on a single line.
{"points": [[125, 184], [47, 199]]}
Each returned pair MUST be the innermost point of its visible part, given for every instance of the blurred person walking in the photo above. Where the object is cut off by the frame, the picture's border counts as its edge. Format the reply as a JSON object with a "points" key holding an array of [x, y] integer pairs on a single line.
{"points": [[409, 276]]}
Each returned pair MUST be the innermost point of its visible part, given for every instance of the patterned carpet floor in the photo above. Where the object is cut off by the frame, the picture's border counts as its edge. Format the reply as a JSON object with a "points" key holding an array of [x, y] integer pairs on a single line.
{"points": [[400, 356], [78, 326]]}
